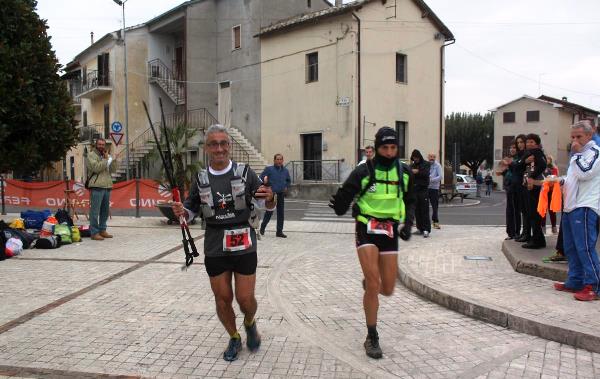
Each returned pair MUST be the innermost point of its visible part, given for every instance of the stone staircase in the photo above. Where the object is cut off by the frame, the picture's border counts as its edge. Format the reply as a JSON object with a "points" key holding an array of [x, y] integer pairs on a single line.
{"points": [[251, 155], [164, 77], [241, 150]]}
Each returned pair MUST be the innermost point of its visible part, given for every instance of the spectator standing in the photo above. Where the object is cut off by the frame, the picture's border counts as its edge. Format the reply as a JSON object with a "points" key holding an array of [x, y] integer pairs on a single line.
{"points": [[99, 167], [489, 184], [551, 170], [517, 168], [579, 221], [279, 178], [420, 170], [513, 218], [479, 182], [535, 159], [435, 179], [369, 154]]}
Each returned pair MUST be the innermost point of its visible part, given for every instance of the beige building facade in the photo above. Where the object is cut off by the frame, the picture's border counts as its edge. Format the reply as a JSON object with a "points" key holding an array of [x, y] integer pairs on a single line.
{"points": [[546, 116], [331, 78], [97, 84]]}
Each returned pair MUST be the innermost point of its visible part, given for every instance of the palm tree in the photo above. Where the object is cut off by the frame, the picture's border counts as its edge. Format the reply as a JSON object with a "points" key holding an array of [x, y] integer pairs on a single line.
{"points": [[179, 137]]}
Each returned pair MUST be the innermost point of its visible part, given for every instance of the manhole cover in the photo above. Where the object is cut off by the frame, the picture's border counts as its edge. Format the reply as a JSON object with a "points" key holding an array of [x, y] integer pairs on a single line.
{"points": [[477, 258]]}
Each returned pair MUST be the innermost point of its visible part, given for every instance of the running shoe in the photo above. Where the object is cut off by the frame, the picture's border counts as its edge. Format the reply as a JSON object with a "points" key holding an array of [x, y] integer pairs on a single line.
{"points": [[436, 225], [586, 294], [234, 347], [252, 337], [559, 286], [372, 347]]}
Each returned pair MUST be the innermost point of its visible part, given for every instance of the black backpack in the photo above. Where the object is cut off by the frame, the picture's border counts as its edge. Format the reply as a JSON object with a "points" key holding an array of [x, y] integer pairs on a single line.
{"points": [[63, 217]]}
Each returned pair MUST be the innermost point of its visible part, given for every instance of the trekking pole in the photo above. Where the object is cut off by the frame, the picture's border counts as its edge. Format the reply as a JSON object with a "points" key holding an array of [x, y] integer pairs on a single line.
{"points": [[2, 189], [176, 194], [188, 241]]}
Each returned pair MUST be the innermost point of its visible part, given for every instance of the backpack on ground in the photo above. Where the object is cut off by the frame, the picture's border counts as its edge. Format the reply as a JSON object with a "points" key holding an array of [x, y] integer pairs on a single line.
{"points": [[63, 217], [35, 219], [50, 242], [64, 232], [13, 246]]}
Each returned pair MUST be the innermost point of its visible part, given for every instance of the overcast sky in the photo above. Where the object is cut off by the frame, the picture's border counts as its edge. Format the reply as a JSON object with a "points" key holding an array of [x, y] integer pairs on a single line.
{"points": [[504, 48]]}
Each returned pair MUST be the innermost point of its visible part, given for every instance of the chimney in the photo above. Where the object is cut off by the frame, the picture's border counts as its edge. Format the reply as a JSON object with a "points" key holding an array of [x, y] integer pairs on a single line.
{"points": [[91, 38], [338, 3], [564, 98]]}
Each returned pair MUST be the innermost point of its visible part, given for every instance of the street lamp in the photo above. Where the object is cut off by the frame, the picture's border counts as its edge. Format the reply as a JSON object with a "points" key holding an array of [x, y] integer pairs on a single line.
{"points": [[121, 3]]}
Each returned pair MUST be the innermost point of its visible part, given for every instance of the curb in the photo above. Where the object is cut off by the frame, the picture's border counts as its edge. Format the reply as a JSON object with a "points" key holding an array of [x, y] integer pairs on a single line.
{"points": [[574, 336], [532, 268]]}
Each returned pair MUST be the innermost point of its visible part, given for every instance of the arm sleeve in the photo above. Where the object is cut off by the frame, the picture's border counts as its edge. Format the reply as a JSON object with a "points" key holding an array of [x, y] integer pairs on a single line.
{"points": [[585, 167], [540, 164], [351, 187], [264, 173], [423, 172], [409, 197], [288, 179], [437, 174]]}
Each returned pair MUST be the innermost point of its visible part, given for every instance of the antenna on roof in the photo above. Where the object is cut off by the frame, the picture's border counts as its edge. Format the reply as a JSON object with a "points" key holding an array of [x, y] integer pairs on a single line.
{"points": [[91, 38]]}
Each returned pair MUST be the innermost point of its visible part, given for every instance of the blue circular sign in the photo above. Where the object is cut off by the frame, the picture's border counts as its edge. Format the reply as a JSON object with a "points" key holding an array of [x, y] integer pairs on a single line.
{"points": [[116, 127]]}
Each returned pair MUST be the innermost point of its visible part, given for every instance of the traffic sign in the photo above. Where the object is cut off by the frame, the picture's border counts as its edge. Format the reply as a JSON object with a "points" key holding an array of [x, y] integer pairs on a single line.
{"points": [[116, 127], [116, 137]]}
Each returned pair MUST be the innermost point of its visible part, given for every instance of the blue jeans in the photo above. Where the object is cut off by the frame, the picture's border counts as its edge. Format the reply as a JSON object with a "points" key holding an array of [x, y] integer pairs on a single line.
{"points": [[99, 204], [580, 234], [268, 214]]}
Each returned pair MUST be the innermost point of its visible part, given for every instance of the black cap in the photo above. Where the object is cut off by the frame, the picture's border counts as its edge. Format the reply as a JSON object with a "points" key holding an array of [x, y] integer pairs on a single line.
{"points": [[385, 136]]}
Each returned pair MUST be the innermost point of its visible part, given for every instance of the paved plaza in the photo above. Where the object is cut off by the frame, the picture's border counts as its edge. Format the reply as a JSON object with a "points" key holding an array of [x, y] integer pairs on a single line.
{"points": [[123, 307]]}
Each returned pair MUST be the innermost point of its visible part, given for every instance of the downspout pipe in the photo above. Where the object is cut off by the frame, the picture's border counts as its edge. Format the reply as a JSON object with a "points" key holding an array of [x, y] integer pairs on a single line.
{"points": [[359, 116], [442, 75]]}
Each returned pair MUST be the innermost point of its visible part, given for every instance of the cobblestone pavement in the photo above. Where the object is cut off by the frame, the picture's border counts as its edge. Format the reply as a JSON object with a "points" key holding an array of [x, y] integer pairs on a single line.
{"points": [[125, 307], [494, 283]]}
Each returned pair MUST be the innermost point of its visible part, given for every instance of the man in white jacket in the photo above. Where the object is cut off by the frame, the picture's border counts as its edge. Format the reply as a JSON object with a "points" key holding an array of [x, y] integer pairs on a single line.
{"points": [[581, 189]]}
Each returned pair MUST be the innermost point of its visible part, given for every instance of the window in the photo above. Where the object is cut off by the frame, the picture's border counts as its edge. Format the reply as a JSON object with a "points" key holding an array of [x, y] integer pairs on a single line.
{"points": [[401, 127], [308, 3], [508, 117], [533, 116], [236, 37], [312, 67], [85, 118], [400, 68]]}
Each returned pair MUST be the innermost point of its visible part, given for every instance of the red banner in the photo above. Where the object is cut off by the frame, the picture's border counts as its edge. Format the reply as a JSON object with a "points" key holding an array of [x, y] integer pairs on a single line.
{"points": [[53, 195]]}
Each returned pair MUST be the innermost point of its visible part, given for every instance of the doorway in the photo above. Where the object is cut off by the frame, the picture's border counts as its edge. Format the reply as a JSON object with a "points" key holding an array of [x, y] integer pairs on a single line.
{"points": [[312, 154]]}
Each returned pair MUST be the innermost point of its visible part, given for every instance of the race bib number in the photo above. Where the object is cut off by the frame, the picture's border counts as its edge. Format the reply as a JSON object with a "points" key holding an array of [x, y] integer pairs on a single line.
{"points": [[237, 239], [380, 227]]}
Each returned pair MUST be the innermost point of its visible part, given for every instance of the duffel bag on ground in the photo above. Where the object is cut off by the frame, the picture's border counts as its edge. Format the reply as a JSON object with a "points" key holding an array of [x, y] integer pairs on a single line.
{"points": [[84, 231], [35, 219], [50, 242], [64, 231]]}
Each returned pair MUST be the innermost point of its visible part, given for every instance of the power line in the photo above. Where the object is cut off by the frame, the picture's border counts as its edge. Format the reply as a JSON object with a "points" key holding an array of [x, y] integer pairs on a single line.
{"points": [[524, 76]]}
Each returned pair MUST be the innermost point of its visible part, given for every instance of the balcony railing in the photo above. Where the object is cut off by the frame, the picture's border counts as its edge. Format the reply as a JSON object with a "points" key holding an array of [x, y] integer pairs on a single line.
{"points": [[96, 79], [315, 170], [75, 89], [89, 133]]}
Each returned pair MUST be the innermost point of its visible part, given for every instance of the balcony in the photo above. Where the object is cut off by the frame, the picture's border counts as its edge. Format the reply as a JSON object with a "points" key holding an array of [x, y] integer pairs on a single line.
{"points": [[89, 133], [96, 83]]}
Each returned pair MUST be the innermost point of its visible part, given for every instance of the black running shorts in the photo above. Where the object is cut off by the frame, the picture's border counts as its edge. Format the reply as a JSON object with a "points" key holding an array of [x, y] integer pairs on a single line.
{"points": [[384, 243], [244, 264]]}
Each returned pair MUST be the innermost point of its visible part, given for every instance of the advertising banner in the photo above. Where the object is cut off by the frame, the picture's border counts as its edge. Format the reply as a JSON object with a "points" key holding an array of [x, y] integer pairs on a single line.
{"points": [[53, 194]]}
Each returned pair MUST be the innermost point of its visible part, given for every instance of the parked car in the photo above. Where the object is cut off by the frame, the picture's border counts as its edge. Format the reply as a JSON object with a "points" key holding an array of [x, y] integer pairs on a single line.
{"points": [[466, 185]]}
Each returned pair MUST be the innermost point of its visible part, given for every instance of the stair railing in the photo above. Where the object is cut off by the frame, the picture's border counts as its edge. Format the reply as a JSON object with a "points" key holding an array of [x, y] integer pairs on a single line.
{"points": [[165, 77]]}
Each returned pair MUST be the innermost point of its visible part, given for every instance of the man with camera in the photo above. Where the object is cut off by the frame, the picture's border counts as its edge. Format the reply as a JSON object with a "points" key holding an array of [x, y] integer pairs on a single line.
{"points": [[100, 165]]}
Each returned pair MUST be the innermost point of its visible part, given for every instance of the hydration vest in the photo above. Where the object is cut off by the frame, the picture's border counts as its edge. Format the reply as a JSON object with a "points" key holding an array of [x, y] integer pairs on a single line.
{"points": [[238, 192], [382, 194]]}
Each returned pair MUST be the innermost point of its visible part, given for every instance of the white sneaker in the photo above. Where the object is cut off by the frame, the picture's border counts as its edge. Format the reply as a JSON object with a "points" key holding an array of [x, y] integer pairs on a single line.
{"points": [[425, 234]]}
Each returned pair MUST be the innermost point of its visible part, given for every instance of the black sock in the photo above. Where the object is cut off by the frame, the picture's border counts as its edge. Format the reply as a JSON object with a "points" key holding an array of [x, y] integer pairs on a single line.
{"points": [[372, 330]]}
